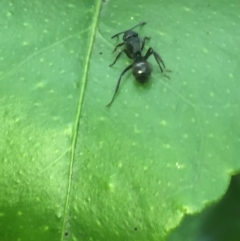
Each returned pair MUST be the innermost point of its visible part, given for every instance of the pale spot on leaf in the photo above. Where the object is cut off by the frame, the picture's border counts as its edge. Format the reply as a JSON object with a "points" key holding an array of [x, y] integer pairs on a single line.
{"points": [[212, 94], [179, 166], [163, 123], [186, 9], [25, 43], [210, 135], [205, 51], [40, 85], [167, 146]]}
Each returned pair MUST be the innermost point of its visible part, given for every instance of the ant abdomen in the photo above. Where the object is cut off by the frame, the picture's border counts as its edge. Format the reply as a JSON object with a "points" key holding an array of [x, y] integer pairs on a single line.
{"points": [[142, 71]]}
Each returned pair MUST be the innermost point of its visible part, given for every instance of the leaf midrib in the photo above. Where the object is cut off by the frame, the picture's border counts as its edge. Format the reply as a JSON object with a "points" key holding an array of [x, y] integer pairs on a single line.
{"points": [[78, 113]]}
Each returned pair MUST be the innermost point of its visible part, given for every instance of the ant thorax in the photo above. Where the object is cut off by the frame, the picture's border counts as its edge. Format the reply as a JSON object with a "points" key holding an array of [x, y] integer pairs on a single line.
{"points": [[134, 45]]}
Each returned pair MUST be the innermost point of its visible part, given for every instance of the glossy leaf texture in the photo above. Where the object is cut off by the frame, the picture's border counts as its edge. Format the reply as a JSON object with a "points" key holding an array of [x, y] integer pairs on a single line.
{"points": [[72, 169]]}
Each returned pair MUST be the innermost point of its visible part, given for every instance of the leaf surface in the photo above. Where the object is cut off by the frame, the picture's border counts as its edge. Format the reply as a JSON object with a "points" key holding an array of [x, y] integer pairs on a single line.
{"points": [[73, 169]]}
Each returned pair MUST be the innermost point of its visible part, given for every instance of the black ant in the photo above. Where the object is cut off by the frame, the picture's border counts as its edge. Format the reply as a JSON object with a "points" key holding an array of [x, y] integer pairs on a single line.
{"points": [[133, 47]]}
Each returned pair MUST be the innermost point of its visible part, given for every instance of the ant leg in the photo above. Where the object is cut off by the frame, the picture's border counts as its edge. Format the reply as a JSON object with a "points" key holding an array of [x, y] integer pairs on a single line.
{"points": [[143, 42], [128, 54], [119, 54], [157, 58], [118, 83], [119, 45], [140, 24]]}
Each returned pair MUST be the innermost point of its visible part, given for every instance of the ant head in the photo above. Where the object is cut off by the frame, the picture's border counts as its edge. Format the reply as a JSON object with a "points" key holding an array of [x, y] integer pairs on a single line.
{"points": [[142, 71], [128, 34]]}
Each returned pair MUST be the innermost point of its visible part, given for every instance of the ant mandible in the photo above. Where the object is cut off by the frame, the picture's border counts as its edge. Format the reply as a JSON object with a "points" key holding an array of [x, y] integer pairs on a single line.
{"points": [[133, 48]]}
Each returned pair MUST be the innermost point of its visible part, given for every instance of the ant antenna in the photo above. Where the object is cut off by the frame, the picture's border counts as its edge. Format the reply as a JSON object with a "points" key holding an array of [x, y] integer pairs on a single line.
{"points": [[140, 24]]}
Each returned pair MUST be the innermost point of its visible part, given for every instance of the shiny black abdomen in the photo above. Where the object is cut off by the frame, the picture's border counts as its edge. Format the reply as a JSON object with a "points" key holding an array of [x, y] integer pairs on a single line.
{"points": [[142, 71]]}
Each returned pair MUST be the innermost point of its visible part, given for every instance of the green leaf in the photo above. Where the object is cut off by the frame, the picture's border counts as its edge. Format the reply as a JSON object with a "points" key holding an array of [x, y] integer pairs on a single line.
{"points": [[73, 169]]}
